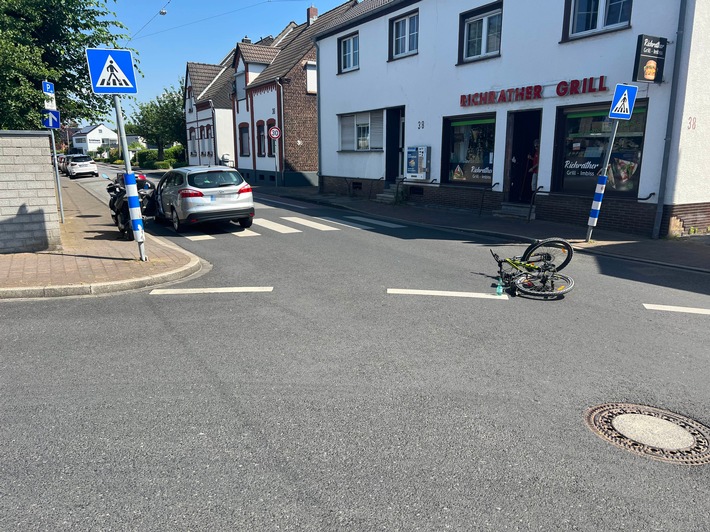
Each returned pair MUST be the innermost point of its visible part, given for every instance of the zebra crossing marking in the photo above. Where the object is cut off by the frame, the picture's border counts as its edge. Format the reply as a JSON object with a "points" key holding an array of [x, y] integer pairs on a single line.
{"points": [[352, 225], [245, 232], [375, 222], [200, 237], [279, 228], [309, 223]]}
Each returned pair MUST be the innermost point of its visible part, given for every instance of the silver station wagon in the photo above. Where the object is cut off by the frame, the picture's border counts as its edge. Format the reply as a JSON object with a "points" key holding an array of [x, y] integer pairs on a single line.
{"points": [[196, 194]]}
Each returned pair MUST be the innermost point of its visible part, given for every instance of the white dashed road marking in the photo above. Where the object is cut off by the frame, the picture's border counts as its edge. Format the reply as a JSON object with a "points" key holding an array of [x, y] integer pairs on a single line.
{"points": [[669, 308], [275, 227], [200, 237], [229, 289], [443, 293], [346, 224], [245, 232], [309, 223]]}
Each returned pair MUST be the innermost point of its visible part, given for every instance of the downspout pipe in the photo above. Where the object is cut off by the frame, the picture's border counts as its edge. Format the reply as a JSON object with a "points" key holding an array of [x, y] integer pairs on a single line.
{"points": [[279, 107], [671, 119], [320, 124]]}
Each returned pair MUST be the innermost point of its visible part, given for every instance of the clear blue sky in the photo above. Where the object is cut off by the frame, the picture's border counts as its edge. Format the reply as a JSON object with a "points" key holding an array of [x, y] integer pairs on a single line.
{"points": [[202, 31]]}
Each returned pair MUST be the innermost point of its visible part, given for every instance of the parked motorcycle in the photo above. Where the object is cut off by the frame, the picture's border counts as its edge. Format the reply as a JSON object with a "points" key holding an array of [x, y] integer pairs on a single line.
{"points": [[118, 202]]}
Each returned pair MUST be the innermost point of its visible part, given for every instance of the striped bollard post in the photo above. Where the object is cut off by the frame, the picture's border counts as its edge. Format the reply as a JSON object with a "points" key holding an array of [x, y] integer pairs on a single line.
{"points": [[134, 208], [596, 205]]}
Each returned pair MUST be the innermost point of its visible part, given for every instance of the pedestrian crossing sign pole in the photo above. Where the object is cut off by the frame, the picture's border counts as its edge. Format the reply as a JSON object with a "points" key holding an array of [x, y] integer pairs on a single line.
{"points": [[622, 107], [111, 72]]}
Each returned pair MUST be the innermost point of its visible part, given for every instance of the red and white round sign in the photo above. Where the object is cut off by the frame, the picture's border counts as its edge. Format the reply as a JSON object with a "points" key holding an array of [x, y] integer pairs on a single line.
{"points": [[274, 133]]}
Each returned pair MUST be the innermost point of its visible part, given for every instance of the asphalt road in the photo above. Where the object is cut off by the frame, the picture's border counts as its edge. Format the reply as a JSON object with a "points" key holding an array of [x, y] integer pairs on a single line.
{"points": [[323, 402]]}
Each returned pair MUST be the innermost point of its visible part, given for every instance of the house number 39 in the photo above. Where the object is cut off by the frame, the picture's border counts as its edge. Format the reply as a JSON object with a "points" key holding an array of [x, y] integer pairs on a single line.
{"points": [[420, 124]]}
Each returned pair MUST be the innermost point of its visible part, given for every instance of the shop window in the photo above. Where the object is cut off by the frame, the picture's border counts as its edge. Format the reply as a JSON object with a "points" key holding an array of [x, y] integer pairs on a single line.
{"points": [[404, 35], [471, 142], [260, 139], [244, 140], [349, 57], [362, 131], [480, 32], [586, 133], [591, 16]]}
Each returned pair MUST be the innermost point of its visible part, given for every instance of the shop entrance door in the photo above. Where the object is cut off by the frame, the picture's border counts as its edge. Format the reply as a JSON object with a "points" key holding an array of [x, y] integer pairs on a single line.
{"points": [[523, 132]]}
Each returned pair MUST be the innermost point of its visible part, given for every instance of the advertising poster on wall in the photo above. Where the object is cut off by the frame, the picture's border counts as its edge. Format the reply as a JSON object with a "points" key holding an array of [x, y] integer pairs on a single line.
{"points": [[472, 147]]}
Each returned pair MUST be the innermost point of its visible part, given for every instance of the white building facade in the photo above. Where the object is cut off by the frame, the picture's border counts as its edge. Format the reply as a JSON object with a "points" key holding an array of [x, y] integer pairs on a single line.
{"points": [[477, 86], [91, 138]]}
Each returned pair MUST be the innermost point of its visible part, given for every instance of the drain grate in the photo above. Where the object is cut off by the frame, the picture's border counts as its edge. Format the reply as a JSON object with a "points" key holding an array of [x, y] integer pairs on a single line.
{"points": [[651, 432]]}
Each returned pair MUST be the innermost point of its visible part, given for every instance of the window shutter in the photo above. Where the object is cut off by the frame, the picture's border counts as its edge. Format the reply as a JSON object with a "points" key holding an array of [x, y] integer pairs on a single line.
{"points": [[376, 130], [347, 132]]}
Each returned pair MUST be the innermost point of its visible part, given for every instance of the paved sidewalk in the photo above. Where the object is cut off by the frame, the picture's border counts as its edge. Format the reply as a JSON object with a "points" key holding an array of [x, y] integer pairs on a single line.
{"points": [[93, 260]]}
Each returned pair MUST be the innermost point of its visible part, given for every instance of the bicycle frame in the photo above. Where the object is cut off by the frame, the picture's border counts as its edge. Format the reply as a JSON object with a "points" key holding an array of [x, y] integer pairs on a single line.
{"points": [[518, 268]]}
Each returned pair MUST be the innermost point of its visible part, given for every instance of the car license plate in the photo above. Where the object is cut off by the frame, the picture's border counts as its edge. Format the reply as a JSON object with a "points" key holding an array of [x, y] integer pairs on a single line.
{"points": [[223, 197]]}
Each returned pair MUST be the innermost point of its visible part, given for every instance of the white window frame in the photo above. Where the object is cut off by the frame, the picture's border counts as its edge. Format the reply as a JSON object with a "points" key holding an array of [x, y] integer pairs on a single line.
{"points": [[410, 23], [350, 58], [362, 131], [601, 15], [485, 19]]}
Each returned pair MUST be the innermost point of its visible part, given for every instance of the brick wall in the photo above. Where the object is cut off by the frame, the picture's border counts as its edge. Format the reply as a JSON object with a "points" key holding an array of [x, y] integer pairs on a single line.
{"points": [[29, 218], [300, 120], [689, 219]]}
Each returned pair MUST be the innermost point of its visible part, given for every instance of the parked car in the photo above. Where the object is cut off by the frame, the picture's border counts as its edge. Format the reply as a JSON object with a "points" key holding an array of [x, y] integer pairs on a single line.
{"points": [[63, 163], [196, 194], [81, 165]]}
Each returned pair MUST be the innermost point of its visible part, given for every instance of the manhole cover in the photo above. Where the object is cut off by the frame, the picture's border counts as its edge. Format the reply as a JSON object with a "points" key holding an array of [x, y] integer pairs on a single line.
{"points": [[651, 432]]}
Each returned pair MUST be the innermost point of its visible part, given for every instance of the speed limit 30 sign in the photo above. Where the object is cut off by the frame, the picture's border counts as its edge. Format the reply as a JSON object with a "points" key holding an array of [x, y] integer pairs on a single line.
{"points": [[274, 133]]}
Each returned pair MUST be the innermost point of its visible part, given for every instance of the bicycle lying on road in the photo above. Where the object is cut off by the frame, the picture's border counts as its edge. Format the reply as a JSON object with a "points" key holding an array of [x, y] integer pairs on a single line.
{"points": [[536, 272]]}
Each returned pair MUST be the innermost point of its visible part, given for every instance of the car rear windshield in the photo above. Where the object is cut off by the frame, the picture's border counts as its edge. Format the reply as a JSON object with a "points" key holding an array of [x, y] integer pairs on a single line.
{"points": [[214, 179], [82, 159]]}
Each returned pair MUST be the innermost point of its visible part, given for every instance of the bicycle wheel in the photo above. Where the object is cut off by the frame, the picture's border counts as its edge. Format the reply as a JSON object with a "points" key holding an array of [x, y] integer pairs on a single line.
{"points": [[544, 284], [553, 250]]}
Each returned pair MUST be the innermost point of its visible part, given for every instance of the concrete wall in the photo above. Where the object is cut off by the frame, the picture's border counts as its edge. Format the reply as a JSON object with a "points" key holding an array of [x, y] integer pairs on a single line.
{"points": [[29, 218]]}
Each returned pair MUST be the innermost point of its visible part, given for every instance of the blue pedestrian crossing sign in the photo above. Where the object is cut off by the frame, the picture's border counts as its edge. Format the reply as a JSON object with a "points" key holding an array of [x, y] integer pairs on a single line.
{"points": [[111, 71], [50, 119], [622, 105]]}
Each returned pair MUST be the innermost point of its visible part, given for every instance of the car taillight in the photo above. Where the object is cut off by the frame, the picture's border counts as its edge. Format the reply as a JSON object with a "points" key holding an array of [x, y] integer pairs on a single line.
{"points": [[189, 193], [244, 189]]}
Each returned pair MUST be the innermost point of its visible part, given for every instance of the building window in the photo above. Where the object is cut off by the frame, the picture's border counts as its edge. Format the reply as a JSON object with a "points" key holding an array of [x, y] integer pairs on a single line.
{"points": [[362, 131], [311, 77], [260, 139], [349, 58], [480, 32], [240, 86], [243, 140], [590, 16], [272, 142], [585, 134], [471, 142], [404, 33]]}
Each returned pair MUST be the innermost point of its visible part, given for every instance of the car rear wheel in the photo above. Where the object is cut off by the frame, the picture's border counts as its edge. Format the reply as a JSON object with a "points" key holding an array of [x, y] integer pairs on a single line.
{"points": [[245, 222], [177, 224]]}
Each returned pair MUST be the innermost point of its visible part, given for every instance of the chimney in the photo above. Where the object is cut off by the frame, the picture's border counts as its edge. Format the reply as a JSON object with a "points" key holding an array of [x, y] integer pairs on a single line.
{"points": [[311, 14], [246, 40]]}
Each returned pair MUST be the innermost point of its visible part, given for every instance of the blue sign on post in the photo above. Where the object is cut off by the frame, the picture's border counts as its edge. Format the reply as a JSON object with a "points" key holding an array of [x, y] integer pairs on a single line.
{"points": [[50, 119], [111, 71], [622, 105], [47, 87]]}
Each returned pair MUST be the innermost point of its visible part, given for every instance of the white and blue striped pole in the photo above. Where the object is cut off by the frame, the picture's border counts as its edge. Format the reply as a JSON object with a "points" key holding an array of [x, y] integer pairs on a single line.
{"points": [[601, 184], [134, 202]]}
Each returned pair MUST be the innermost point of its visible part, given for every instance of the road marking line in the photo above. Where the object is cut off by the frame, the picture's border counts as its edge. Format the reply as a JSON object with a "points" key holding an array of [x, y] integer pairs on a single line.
{"points": [[376, 222], [230, 289], [276, 227], [478, 295], [246, 232], [284, 203], [353, 225], [200, 237], [309, 223], [668, 308], [263, 205]]}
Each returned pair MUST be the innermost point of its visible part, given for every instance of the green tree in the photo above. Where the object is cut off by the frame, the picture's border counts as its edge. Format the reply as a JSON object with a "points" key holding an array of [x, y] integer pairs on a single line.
{"points": [[47, 39], [162, 120]]}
